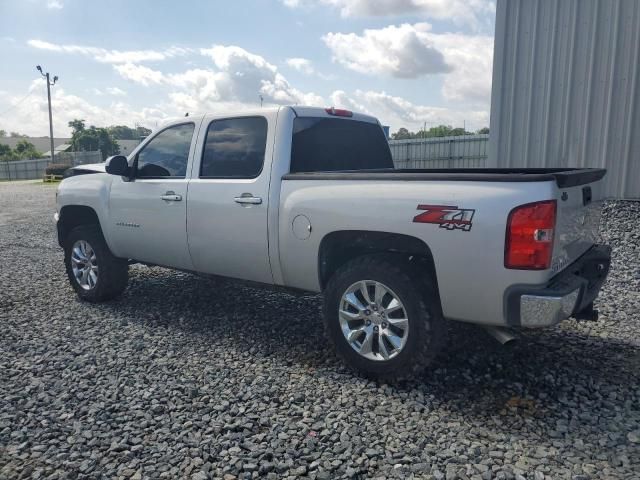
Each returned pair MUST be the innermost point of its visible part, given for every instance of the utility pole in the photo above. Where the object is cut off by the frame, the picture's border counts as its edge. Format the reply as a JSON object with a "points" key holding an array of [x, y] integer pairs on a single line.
{"points": [[49, 85], [261, 100]]}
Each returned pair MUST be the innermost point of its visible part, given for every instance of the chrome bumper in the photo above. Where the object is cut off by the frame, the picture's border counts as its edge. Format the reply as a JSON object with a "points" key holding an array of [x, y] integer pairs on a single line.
{"points": [[570, 293], [542, 311]]}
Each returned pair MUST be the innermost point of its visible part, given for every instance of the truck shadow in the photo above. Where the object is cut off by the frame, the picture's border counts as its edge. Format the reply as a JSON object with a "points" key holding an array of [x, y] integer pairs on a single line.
{"points": [[554, 379]]}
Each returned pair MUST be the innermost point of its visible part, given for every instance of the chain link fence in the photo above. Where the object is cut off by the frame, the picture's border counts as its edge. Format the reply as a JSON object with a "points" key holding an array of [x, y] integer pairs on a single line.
{"points": [[34, 168]]}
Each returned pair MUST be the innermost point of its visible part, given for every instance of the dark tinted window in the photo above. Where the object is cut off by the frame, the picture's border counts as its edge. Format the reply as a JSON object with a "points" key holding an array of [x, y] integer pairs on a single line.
{"points": [[234, 148], [167, 154], [329, 144]]}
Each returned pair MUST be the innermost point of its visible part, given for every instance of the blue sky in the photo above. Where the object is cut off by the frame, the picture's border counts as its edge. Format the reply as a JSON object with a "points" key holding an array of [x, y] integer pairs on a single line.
{"points": [[405, 61]]}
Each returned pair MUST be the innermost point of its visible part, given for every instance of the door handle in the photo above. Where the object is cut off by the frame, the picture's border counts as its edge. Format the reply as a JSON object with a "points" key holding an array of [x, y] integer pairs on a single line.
{"points": [[171, 197], [248, 199]]}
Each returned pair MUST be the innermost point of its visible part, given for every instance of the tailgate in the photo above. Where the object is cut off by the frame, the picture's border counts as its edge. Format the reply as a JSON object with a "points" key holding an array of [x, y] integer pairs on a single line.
{"points": [[578, 217]]}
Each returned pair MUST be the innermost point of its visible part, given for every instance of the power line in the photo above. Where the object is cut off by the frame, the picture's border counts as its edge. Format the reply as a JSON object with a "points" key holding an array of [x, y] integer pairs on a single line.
{"points": [[17, 103]]}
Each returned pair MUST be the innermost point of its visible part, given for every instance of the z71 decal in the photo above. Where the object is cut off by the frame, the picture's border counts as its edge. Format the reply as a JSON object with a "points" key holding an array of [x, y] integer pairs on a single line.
{"points": [[446, 216]]}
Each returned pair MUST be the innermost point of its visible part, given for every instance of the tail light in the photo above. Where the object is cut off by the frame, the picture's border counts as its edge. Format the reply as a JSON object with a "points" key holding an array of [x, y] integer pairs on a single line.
{"points": [[529, 242]]}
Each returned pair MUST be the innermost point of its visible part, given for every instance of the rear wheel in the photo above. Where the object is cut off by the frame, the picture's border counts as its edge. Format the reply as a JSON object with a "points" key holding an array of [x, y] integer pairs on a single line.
{"points": [[94, 273], [383, 318]]}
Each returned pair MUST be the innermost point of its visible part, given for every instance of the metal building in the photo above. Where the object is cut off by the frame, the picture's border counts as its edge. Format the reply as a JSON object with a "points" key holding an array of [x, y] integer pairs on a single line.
{"points": [[565, 88]]}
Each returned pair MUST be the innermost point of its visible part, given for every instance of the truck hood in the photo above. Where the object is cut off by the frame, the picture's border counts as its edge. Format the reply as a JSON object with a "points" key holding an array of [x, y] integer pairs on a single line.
{"points": [[85, 169], [92, 167]]}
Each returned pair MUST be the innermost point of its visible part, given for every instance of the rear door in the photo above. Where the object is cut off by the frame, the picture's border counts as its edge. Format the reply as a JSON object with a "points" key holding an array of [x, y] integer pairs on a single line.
{"points": [[228, 197], [148, 213]]}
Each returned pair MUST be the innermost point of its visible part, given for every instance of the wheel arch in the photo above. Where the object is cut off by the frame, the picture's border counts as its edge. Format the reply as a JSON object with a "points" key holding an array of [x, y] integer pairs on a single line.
{"points": [[340, 247], [72, 216]]}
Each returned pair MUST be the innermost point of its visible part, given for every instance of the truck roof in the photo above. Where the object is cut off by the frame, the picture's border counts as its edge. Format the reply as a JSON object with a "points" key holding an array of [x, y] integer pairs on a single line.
{"points": [[298, 110]]}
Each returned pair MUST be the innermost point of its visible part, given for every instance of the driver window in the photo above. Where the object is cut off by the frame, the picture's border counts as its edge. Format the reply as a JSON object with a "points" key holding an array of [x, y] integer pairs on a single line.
{"points": [[167, 154]]}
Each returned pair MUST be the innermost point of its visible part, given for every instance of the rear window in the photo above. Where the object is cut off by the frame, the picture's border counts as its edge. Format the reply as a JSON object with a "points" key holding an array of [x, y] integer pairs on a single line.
{"points": [[331, 144]]}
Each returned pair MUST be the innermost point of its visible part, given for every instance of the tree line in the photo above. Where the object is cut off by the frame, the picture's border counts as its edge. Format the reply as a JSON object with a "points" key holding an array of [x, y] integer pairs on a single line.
{"points": [[439, 131], [22, 150], [83, 139], [94, 138]]}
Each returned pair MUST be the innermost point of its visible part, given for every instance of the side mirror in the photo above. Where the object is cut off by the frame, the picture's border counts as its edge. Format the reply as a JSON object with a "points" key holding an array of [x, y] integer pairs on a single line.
{"points": [[117, 165]]}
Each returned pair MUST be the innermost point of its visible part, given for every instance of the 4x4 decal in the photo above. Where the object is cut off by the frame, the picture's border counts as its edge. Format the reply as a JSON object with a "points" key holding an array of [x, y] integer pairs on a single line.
{"points": [[446, 216]]}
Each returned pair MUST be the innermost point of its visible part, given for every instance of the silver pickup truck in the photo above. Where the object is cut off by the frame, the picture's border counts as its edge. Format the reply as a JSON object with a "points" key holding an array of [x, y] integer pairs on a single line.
{"points": [[308, 199]]}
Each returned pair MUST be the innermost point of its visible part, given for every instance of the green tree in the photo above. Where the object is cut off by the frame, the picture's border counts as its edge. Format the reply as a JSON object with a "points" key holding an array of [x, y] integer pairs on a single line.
{"points": [[7, 154], [142, 132], [3, 133], [25, 149], [439, 131], [76, 125], [484, 130], [17, 135], [459, 131], [92, 139], [4, 150], [122, 132], [402, 134]]}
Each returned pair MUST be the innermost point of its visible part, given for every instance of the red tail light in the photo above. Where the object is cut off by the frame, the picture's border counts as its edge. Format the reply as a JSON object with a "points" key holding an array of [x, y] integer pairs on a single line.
{"points": [[338, 112], [529, 242]]}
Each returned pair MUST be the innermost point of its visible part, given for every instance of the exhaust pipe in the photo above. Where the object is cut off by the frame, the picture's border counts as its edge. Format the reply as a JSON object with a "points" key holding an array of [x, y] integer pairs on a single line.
{"points": [[503, 335]]}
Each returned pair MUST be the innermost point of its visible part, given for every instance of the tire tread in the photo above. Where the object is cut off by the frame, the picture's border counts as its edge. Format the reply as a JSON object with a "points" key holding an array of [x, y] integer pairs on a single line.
{"points": [[113, 274], [427, 304]]}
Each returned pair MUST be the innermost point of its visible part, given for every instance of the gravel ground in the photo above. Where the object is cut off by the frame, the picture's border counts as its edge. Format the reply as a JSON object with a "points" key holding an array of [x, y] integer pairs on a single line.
{"points": [[188, 378]]}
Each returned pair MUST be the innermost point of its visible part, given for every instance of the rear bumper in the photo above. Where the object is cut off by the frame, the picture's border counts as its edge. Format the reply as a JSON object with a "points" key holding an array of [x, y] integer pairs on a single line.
{"points": [[570, 293]]}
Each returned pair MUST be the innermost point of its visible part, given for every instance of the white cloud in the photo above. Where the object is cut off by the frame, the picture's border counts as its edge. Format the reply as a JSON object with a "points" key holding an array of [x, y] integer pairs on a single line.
{"points": [[111, 56], [116, 92], [139, 74], [234, 82], [31, 115], [471, 59], [303, 65], [235, 58], [239, 77], [405, 51], [399, 112], [54, 4], [473, 13], [411, 51]]}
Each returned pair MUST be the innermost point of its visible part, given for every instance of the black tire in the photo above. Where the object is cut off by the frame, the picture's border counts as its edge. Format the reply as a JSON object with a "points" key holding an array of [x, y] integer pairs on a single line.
{"points": [[427, 329], [113, 273]]}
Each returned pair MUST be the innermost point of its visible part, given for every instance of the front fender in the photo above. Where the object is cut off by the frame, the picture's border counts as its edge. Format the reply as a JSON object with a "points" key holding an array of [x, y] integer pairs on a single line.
{"points": [[91, 191]]}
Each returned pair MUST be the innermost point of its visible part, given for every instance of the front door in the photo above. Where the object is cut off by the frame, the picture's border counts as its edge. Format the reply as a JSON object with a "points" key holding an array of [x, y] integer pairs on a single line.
{"points": [[148, 213], [228, 199]]}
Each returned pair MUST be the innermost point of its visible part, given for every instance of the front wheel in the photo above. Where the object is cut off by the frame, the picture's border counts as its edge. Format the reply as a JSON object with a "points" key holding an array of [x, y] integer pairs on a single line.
{"points": [[94, 273], [383, 318]]}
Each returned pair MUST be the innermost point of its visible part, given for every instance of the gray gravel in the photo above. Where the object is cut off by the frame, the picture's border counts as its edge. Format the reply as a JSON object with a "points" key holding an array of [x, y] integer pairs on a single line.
{"points": [[187, 378]]}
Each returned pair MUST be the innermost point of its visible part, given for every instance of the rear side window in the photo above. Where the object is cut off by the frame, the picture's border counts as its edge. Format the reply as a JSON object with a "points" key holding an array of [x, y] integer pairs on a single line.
{"points": [[234, 148], [330, 144]]}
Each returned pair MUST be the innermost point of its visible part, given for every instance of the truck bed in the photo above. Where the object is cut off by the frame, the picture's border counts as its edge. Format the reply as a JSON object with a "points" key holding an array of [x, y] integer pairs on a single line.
{"points": [[564, 177]]}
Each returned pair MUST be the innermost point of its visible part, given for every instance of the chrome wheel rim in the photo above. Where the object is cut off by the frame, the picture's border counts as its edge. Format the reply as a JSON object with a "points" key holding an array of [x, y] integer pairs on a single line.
{"points": [[373, 320], [84, 264]]}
